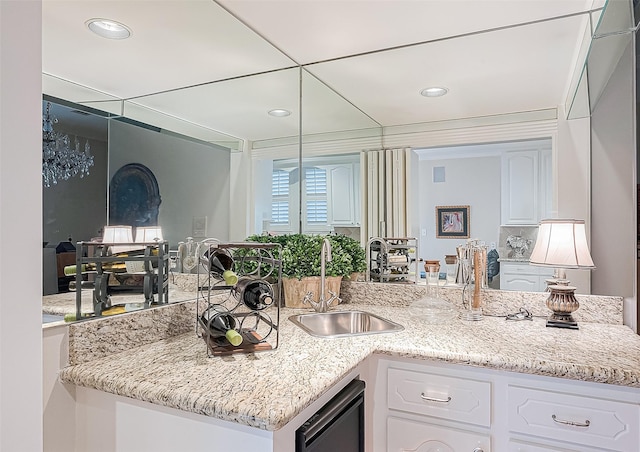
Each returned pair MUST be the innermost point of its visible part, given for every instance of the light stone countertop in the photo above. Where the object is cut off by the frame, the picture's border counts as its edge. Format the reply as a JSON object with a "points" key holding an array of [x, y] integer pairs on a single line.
{"points": [[266, 390], [65, 302]]}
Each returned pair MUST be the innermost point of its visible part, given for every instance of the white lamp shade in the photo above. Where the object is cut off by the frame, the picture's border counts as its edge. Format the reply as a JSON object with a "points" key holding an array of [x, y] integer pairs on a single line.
{"points": [[148, 234], [117, 234], [562, 243]]}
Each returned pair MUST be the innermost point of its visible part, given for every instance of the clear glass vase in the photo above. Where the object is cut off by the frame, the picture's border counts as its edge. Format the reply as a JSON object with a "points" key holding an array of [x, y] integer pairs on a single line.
{"points": [[474, 269]]}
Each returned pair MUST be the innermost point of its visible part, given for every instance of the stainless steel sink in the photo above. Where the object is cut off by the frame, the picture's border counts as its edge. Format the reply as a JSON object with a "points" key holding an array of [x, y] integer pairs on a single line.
{"points": [[344, 323]]}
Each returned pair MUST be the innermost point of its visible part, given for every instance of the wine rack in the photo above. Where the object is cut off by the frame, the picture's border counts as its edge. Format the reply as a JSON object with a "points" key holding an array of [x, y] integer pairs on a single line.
{"points": [[258, 326], [392, 259], [148, 259]]}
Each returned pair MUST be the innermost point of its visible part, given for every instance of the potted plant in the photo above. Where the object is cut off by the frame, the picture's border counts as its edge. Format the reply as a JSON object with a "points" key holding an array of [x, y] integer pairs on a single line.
{"points": [[356, 252], [301, 262]]}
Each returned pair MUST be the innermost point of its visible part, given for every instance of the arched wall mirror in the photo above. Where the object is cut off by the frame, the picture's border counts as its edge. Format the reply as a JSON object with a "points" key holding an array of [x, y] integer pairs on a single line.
{"points": [[203, 128]]}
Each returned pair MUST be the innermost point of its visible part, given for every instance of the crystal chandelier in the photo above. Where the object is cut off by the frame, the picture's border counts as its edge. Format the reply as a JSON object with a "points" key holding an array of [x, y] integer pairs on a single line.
{"points": [[59, 160]]}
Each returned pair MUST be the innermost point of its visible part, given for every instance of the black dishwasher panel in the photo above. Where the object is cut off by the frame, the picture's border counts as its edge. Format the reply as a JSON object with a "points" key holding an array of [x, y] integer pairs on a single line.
{"points": [[338, 426]]}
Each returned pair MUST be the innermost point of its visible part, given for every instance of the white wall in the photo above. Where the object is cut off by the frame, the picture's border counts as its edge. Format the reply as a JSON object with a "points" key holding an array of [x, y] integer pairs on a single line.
{"points": [[262, 179], [193, 178], [613, 153], [572, 167], [58, 401], [20, 226], [473, 181], [240, 189]]}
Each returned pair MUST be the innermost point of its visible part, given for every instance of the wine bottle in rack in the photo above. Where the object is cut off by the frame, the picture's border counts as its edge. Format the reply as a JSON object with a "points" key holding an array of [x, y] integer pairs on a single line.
{"points": [[256, 294], [221, 265], [220, 324]]}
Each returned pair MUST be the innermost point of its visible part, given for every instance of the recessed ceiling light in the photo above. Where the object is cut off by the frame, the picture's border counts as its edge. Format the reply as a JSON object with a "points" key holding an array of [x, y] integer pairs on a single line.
{"points": [[109, 29], [434, 91], [280, 112]]}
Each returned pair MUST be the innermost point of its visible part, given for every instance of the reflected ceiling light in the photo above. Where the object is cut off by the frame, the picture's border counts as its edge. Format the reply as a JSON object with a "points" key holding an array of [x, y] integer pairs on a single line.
{"points": [[434, 91], [279, 112], [109, 29]]}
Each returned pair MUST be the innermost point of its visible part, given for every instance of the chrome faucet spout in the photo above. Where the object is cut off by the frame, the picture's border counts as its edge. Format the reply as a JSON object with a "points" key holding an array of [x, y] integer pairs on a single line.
{"points": [[322, 305], [325, 256]]}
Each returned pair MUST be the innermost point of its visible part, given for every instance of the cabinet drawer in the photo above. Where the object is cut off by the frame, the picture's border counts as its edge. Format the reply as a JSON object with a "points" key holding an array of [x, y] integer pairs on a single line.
{"points": [[522, 446], [508, 267], [566, 417], [525, 269], [410, 436], [452, 398], [523, 283]]}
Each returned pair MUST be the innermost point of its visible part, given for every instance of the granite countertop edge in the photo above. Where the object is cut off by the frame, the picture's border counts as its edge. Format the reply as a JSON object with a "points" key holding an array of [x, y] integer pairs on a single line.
{"points": [[266, 390]]}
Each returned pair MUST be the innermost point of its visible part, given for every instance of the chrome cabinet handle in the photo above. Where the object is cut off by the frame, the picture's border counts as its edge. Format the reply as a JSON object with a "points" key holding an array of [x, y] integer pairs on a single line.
{"points": [[586, 423], [432, 399], [478, 449]]}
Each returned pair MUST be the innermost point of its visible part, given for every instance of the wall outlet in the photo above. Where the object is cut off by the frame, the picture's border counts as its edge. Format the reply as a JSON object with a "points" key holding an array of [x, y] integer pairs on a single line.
{"points": [[199, 228], [423, 232]]}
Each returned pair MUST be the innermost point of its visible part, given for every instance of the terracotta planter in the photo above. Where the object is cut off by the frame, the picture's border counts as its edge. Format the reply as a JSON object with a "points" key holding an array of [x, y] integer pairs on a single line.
{"points": [[296, 289]]}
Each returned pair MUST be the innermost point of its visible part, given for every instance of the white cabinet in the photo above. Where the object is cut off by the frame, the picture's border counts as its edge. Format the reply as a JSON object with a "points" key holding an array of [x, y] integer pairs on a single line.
{"points": [[422, 406], [527, 188], [590, 421], [520, 187], [430, 410], [442, 396], [406, 435], [527, 446], [523, 277]]}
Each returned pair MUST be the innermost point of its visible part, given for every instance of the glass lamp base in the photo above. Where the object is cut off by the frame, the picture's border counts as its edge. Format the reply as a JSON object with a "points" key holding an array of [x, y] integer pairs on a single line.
{"points": [[472, 314]]}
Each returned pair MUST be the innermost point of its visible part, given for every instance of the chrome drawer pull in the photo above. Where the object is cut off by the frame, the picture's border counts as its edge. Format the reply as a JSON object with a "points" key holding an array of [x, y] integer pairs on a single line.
{"points": [[432, 399], [586, 423]]}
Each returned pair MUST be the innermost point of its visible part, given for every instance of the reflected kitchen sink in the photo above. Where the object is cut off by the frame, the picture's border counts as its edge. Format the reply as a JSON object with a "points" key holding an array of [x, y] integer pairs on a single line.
{"points": [[344, 323]]}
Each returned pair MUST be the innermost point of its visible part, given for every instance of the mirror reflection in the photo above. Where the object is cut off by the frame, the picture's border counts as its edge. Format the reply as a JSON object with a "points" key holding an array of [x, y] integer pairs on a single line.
{"points": [[306, 168]]}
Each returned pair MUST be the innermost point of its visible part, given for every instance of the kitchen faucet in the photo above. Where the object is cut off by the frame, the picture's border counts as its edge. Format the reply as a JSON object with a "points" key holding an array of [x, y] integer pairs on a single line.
{"points": [[322, 305]]}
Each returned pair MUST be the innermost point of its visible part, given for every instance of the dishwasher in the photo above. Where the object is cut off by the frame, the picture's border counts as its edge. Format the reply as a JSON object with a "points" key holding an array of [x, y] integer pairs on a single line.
{"points": [[337, 426]]}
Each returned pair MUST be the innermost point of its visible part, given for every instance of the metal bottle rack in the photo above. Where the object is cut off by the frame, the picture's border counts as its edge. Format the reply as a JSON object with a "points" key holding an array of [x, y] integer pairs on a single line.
{"points": [[149, 259], [390, 259], [258, 328]]}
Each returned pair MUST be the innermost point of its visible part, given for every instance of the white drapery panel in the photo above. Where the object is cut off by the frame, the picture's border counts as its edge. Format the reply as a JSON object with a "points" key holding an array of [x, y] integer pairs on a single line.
{"points": [[387, 173]]}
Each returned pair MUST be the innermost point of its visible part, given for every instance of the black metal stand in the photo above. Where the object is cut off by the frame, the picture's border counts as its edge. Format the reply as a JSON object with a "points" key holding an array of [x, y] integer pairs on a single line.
{"points": [[153, 258]]}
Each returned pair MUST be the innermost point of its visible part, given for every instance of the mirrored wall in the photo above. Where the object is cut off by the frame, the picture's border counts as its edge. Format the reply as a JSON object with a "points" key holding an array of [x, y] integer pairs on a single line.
{"points": [[219, 156]]}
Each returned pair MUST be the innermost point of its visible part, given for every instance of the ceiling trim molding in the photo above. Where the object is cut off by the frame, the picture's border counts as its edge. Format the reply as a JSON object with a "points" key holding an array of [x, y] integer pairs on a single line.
{"points": [[474, 135], [425, 139]]}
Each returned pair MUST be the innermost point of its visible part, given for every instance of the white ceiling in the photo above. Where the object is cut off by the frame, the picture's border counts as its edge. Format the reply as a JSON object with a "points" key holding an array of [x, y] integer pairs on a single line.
{"points": [[205, 67]]}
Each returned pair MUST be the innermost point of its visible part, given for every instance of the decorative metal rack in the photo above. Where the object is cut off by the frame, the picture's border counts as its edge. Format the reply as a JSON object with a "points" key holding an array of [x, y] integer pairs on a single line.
{"points": [[149, 259], [391, 259], [258, 328]]}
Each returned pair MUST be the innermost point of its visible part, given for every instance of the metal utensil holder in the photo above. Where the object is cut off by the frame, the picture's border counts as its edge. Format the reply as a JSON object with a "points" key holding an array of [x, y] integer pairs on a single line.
{"points": [[258, 328]]}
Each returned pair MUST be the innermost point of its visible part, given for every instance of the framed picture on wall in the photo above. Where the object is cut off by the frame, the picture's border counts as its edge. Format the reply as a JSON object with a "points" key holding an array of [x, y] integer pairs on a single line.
{"points": [[452, 222]]}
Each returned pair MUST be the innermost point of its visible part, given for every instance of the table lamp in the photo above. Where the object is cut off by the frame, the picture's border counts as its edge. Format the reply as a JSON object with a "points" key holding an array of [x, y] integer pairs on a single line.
{"points": [[148, 234], [118, 234], [561, 244]]}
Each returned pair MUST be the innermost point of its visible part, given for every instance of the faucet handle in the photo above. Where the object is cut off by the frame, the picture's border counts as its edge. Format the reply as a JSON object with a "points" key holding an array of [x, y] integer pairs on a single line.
{"points": [[308, 297], [334, 296]]}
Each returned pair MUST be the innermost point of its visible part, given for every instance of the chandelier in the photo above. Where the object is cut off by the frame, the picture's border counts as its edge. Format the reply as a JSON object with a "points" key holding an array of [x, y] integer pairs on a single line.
{"points": [[59, 160]]}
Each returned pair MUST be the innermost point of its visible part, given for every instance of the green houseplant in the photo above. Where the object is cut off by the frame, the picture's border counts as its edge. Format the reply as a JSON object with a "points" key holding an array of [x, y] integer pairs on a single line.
{"points": [[301, 263], [355, 251]]}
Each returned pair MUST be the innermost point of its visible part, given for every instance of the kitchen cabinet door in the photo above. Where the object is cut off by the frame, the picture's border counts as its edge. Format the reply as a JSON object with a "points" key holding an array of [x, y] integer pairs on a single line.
{"points": [[405, 435], [520, 192]]}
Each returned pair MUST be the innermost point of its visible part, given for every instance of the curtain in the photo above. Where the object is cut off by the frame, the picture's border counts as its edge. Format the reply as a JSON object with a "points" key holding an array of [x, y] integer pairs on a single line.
{"points": [[386, 176]]}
